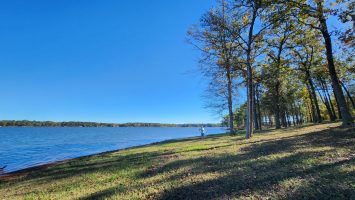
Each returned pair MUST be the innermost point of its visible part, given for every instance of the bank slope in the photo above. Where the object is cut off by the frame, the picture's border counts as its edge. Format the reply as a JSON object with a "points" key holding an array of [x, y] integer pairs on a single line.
{"points": [[314, 161]]}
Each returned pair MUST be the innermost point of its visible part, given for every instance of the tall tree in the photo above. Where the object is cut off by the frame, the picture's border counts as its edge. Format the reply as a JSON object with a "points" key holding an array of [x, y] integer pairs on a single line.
{"points": [[306, 51], [217, 45], [314, 14], [277, 42], [251, 19]]}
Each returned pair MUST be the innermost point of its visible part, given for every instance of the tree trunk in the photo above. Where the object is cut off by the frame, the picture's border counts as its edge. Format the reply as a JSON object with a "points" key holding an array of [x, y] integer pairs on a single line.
{"points": [[314, 117], [326, 103], [288, 119], [301, 115], [250, 96], [256, 122], [277, 86], [297, 115], [230, 100], [277, 106], [283, 119], [258, 106], [325, 88], [314, 96], [346, 116], [327, 100], [348, 93], [293, 114], [338, 107], [249, 127], [330, 111], [310, 115], [331, 105]]}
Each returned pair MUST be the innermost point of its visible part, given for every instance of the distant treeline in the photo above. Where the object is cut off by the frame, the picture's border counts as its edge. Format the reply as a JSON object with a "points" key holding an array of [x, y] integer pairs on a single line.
{"points": [[24, 123]]}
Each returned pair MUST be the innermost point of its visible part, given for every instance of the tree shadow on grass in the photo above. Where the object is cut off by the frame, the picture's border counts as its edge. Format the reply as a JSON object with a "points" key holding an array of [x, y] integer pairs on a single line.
{"points": [[104, 193], [248, 173], [246, 182]]}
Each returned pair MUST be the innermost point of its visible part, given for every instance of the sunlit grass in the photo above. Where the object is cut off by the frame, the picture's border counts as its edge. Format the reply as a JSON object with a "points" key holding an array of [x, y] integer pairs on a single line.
{"points": [[315, 161]]}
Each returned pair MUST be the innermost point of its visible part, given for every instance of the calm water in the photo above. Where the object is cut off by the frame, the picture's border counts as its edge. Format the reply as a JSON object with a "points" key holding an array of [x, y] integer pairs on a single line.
{"points": [[26, 147]]}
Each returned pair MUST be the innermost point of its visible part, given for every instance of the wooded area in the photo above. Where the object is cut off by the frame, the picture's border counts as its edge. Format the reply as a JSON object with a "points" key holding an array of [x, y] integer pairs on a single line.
{"points": [[294, 67]]}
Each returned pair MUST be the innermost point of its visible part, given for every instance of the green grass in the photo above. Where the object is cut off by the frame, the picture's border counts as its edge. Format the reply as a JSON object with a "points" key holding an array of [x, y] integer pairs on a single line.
{"points": [[311, 162]]}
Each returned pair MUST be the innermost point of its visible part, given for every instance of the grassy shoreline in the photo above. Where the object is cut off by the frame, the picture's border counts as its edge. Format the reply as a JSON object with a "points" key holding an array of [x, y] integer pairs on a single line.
{"points": [[307, 162], [26, 170]]}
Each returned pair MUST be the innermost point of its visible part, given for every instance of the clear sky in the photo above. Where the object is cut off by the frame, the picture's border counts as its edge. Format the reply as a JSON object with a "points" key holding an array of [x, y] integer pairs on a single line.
{"points": [[104, 61]]}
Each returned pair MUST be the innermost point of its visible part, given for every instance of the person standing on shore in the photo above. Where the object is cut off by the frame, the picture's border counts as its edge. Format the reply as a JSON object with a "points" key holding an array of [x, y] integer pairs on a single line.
{"points": [[203, 131]]}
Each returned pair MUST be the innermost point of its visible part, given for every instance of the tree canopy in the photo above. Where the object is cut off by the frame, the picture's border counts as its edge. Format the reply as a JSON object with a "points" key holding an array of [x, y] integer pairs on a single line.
{"points": [[293, 67]]}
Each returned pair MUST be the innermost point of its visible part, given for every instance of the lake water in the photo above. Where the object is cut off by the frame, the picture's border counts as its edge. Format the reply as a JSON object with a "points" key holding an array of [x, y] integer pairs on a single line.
{"points": [[22, 147]]}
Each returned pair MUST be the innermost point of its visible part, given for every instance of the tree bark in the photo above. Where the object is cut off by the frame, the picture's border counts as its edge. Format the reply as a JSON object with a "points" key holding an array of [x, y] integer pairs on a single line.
{"points": [[256, 122], [283, 119], [301, 115], [258, 105], [345, 113], [338, 107], [230, 100], [326, 103], [296, 115], [325, 89], [314, 96], [331, 105], [348, 93], [277, 106], [315, 101], [250, 96], [310, 115], [327, 100], [314, 117], [293, 114]]}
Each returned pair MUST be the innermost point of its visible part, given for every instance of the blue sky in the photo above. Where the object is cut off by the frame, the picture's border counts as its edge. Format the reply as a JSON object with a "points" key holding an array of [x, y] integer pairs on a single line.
{"points": [[105, 61]]}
